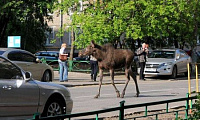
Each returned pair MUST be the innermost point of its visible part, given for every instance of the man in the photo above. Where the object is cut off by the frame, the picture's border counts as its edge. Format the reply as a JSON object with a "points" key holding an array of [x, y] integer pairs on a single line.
{"points": [[142, 57]]}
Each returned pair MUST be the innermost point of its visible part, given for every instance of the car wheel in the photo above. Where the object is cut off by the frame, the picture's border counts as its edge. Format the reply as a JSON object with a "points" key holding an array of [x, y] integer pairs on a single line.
{"points": [[46, 76], [174, 73], [53, 107]]}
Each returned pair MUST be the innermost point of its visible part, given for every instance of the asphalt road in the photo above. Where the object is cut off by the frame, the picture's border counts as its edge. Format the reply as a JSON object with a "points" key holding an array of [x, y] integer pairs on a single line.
{"points": [[151, 90]]}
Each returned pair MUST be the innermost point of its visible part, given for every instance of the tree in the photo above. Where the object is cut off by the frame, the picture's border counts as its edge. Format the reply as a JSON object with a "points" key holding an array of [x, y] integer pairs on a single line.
{"points": [[164, 23], [25, 18]]}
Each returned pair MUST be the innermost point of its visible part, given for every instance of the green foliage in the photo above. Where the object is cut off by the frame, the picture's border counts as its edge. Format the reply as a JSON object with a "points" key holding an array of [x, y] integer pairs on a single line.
{"points": [[196, 111], [25, 18], [160, 20]]}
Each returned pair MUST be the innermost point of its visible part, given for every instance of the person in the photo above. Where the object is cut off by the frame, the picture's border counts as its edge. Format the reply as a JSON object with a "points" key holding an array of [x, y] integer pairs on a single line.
{"points": [[142, 57], [63, 64], [94, 67]]}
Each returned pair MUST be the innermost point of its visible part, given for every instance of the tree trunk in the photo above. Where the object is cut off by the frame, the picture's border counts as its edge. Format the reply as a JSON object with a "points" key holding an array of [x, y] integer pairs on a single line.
{"points": [[71, 51]]}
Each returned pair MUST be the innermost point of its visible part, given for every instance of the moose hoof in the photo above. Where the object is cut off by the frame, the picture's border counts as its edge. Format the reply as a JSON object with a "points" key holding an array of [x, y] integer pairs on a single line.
{"points": [[97, 96], [137, 95], [118, 94], [122, 96]]}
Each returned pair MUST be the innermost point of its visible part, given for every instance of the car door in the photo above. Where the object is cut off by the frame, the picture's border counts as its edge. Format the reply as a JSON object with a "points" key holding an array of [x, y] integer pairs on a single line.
{"points": [[17, 96], [180, 62], [34, 67], [185, 59]]}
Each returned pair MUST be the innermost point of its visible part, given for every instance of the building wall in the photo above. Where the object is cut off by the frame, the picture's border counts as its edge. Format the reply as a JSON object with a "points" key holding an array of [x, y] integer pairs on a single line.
{"points": [[56, 24]]}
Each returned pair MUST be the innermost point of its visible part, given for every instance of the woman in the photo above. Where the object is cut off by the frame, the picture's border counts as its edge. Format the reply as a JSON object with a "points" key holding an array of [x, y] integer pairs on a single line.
{"points": [[63, 63]]}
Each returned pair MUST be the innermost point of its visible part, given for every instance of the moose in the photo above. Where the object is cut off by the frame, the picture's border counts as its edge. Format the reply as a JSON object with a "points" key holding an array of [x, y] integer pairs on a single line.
{"points": [[110, 59]]}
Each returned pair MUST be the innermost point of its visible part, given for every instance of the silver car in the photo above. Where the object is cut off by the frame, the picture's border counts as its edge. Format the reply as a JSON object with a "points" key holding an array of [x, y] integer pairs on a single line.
{"points": [[167, 62], [22, 97], [28, 62]]}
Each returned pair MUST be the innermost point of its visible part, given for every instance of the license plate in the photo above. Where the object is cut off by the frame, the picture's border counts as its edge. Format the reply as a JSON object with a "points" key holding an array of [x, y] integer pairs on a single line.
{"points": [[151, 69]]}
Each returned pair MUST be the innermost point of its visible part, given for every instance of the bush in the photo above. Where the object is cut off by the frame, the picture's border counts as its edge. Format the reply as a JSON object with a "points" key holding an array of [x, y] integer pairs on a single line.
{"points": [[196, 111]]}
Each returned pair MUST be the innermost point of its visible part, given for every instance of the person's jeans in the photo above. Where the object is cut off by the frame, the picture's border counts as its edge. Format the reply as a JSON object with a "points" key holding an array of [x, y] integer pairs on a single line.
{"points": [[63, 71], [142, 66]]}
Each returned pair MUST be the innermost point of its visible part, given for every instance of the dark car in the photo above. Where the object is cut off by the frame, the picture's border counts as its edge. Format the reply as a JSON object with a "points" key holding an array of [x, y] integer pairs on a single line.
{"points": [[50, 57]]}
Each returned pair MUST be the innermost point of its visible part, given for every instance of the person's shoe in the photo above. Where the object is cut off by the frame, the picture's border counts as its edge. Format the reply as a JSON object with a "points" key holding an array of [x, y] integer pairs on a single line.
{"points": [[62, 81], [91, 77]]}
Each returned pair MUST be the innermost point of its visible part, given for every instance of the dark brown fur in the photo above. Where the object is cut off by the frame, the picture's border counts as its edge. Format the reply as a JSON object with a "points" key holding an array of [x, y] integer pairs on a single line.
{"points": [[110, 58]]}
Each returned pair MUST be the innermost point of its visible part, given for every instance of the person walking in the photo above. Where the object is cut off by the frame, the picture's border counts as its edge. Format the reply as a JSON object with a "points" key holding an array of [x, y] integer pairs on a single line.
{"points": [[142, 57], [94, 67], [62, 60]]}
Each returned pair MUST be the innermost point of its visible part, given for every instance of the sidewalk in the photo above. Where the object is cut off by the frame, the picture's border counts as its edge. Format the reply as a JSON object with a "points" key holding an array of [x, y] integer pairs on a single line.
{"points": [[84, 79]]}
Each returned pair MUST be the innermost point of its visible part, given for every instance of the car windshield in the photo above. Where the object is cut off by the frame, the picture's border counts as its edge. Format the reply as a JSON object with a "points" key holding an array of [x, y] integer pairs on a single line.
{"points": [[161, 54], [1, 52]]}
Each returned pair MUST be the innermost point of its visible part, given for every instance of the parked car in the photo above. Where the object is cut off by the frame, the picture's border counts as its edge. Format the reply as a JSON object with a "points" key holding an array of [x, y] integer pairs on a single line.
{"points": [[22, 96], [48, 55], [81, 58], [167, 62], [51, 57], [29, 62]]}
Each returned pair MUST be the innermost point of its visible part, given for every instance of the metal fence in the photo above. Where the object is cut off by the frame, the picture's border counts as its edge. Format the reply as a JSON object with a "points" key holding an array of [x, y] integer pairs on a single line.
{"points": [[122, 107], [73, 65]]}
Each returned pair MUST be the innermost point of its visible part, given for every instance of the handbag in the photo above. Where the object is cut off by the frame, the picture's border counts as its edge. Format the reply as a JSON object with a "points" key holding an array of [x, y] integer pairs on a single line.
{"points": [[62, 57]]}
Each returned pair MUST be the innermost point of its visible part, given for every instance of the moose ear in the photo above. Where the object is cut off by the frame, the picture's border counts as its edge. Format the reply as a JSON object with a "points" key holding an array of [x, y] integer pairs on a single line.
{"points": [[92, 43]]}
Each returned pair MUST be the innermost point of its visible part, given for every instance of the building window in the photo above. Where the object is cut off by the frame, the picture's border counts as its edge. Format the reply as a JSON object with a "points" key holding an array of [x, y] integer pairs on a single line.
{"points": [[50, 36]]}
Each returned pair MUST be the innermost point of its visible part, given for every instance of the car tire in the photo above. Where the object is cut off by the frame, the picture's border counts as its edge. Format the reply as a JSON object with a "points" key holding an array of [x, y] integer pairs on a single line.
{"points": [[174, 73], [46, 76], [53, 107]]}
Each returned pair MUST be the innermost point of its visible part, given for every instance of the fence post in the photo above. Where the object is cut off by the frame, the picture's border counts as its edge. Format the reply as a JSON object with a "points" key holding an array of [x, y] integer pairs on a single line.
{"points": [[36, 116], [70, 65], [187, 106], [121, 112]]}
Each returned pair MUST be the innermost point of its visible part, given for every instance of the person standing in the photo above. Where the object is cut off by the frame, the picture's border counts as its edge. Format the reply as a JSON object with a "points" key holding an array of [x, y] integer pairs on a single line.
{"points": [[142, 57], [94, 67], [62, 60]]}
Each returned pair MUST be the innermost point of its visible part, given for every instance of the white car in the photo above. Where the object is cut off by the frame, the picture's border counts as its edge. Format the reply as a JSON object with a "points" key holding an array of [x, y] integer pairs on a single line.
{"points": [[21, 96], [167, 62], [28, 62]]}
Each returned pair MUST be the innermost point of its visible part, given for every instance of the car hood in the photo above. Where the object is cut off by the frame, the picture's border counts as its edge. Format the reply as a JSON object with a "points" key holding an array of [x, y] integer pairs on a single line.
{"points": [[158, 60]]}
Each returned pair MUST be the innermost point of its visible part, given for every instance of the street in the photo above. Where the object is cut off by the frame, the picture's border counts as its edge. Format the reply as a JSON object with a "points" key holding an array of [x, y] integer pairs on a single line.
{"points": [[151, 90]]}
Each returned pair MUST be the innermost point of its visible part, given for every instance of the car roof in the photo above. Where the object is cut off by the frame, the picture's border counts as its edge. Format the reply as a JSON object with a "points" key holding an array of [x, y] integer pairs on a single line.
{"points": [[48, 51], [173, 49], [13, 49]]}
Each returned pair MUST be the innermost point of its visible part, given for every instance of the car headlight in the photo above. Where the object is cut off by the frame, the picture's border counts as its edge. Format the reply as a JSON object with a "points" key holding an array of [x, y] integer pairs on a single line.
{"points": [[165, 64]]}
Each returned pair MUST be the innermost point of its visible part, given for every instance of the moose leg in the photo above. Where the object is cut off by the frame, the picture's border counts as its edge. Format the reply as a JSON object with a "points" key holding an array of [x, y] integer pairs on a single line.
{"points": [[113, 83], [100, 83], [133, 75], [127, 81]]}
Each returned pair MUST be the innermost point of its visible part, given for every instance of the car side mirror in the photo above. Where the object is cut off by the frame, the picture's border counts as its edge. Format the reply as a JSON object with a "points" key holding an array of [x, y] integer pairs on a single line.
{"points": [[28, 75]]}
